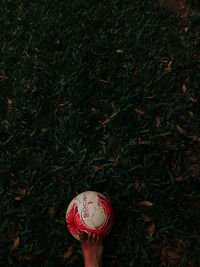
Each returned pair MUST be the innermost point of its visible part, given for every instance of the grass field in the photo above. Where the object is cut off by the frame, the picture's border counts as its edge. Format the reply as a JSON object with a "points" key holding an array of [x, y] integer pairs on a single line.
{"points": [[99, 95]]}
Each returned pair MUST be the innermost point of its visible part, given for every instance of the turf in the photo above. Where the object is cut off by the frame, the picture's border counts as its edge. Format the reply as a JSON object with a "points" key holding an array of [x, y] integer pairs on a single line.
{"points": [[99, 95]]}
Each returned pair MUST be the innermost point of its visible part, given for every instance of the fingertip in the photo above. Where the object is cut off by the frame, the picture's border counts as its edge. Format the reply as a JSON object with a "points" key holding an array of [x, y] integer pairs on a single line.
{"points": [[82, 235], [95, 236], [100, 239], [89, 235]]}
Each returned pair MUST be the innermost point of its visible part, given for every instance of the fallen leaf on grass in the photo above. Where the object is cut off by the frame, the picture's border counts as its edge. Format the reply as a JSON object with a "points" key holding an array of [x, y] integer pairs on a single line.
{"points": [[3, 77], [19, 257], [152, 229], [168, 66], [100, 152], [194, 100], [182, 39], [182, 117], [119, 51], [108, 119], [173, 255], [178, 179], [145, 203], [180, 130], [9, 101], [104, 122], [114, 114], [163, 61], [146, 218], [69, 252], [32, 257], [142, 142], [137, 183], [104, 147], [115, 163], [157, 121], [184, 88], [195, 138], [16, 243], [139, 111], [24, 192], [104, 81], [115, 160], [98, 167], [191, 114], [166, 253]]}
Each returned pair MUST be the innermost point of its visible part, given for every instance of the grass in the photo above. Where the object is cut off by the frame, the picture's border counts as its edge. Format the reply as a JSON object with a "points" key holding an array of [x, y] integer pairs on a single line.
{"points": [[99, 96]]}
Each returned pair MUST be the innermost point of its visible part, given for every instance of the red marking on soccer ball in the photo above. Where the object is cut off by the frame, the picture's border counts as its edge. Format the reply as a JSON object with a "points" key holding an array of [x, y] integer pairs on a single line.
{"points": [[89, 211]]}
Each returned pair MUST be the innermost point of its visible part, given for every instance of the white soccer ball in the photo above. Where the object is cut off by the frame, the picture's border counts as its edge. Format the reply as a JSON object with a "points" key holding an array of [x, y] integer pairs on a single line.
{"points": [[89, 211]]}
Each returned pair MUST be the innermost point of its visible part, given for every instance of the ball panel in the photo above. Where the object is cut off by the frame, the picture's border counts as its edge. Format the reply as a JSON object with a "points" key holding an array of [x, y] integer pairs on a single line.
{"points": [[70, 207], [101, 196], [99, 217], [91, 196], [71, 213], [87, 210], [87, 196], [106, 207], [108, 225], [89, 224], [81, 225]]}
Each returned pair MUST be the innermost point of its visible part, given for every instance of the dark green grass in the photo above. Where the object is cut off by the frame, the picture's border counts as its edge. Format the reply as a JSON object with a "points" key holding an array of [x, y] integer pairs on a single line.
{"points": [[61, 78]]}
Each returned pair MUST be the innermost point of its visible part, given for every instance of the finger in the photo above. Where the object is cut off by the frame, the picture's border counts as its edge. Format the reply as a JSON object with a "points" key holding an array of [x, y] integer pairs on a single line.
{"points": [[90, 235], [70, 215], [98, 238], [94, 236], [82, 236]]}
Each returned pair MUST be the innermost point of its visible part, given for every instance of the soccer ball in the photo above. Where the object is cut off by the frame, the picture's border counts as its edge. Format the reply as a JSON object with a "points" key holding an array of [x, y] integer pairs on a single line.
{"points": [[89, 211]]}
